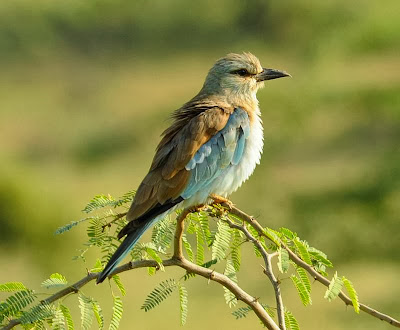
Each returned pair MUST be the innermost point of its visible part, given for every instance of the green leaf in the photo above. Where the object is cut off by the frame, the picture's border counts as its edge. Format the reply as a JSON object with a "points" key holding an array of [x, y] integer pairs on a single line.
{"points": [[159, 294], [98, 313], [288, 233], [283, 260], [117, 281], [302, 250], [236, 243], [319, 256], [205, 226], [334, 288], [222, 241], [154, 255], [69, 226], [56, 280], [183, 301], [16, 303], [98, 267], [188, 247], [38, 313], [98, 202], [352, 294], [290, 321], [304, 278], [230, 272], [301, 290], [199, 245], [242, 312], [96, 233], [85, 305], [67, 316], [272, 235], [208, 264], [117, 313], [12, 287], [163, 232], [58, 321]]}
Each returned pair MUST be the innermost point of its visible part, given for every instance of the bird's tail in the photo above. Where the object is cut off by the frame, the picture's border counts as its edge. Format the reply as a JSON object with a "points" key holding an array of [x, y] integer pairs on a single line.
{"points": [[133, 231], [125, 247]]}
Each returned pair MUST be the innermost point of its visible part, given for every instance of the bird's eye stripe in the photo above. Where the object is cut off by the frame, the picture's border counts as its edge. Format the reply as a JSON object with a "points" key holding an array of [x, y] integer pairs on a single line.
{"points": [[241, 72]]}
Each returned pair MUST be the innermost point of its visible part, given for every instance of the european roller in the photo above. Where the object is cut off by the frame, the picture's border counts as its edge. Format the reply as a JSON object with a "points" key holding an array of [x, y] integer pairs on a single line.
{"points": [[211, 148]]}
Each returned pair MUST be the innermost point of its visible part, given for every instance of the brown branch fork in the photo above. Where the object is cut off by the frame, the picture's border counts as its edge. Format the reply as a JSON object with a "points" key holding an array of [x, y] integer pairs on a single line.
{"points": [[179, 260]]}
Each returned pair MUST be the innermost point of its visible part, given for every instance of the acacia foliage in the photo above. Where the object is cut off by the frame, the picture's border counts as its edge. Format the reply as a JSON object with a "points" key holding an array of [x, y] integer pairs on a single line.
{"points": [[209, 241]]}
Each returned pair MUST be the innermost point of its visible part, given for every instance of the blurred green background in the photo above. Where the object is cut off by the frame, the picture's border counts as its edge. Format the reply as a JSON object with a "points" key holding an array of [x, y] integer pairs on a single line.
{"points": [[86, 88]]}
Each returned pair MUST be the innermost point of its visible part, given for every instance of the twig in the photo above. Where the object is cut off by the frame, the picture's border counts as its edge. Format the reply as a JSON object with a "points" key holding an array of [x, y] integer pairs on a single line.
{"points": [[317, 276], [117, 217], [267, 271]]}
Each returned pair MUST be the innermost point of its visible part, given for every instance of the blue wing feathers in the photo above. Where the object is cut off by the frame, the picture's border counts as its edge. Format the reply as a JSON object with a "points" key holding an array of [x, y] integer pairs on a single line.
{"points": [[224, 149]]}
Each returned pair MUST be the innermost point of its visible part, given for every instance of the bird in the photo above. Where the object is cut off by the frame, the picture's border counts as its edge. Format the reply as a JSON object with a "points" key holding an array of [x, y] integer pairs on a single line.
{"points": [[213, 145]]}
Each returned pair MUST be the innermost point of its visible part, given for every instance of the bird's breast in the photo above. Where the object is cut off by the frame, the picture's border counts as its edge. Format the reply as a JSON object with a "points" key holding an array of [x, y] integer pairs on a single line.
{"points": [[235, 175]]}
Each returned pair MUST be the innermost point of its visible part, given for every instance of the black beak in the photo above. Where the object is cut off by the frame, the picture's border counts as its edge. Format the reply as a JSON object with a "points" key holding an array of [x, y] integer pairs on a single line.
{"points": [[268, 74]]}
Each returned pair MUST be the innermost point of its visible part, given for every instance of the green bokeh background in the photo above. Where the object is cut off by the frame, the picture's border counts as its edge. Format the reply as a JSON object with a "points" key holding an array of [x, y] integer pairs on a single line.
{"points": [[86, 88]]}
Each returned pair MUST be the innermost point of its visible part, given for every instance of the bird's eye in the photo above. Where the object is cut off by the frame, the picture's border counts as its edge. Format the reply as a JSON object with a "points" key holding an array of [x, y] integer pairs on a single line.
{"points": [[241, 72]]}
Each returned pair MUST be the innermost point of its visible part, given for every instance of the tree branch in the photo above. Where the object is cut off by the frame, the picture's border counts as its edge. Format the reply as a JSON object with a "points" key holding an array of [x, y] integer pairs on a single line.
{"points": [[267, 271], [317, 276], [179, 260]]}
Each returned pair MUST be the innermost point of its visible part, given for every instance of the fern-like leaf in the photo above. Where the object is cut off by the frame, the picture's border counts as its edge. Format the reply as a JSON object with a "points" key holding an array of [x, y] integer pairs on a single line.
{"points": [[98, 313], [352, 293], [98, 202], [301, 290], [69, 226], [58, 321], [188, 247], [96, 232], [183, 303], [242, 312], [118, 283], [304, 278], [273, 235], [67, 315], [163, 232], [283, 260], [334, 288], [85, 305], [56, 280], [288, 233], [38, 313], [237, 241], [117, 313], [230, 272], [199, 244], [290, 321], [222, 241], [16, 303], [12, 287], [302, 250], [159, 294]]}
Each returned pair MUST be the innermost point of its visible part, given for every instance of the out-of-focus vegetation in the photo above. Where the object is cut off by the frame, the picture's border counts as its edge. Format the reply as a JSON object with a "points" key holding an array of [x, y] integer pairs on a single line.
{"points": [[86, 88]]}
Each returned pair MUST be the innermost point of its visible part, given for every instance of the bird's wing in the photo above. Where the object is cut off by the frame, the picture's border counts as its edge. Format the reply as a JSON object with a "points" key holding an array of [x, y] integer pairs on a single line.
{"points": [[188, 159], [225, 148]]}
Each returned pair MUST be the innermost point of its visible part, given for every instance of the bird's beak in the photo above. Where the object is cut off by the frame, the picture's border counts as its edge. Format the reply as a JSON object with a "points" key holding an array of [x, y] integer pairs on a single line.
{"points": [[268, 74]]}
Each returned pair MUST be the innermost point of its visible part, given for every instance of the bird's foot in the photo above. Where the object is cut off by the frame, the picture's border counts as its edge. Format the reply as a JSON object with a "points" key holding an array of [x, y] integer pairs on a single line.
{"points": [[221, 200], [196, 208]]}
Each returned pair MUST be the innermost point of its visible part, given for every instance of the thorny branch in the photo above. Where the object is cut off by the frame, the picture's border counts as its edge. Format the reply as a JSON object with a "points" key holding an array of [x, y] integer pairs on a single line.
{"points": [[298, 261], [179, 260]]}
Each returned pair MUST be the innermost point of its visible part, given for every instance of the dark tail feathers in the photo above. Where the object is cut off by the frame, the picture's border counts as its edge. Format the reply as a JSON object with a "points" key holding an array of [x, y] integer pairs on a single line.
{"points": [[134, 230]]}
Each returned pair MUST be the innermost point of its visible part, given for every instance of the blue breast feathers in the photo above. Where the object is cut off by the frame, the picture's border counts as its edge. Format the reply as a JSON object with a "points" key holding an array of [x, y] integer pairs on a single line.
{"points": [[224, 149]]}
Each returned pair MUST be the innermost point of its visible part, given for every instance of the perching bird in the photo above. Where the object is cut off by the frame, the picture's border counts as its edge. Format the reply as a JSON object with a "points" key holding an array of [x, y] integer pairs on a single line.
{"points": [[211, 148]]}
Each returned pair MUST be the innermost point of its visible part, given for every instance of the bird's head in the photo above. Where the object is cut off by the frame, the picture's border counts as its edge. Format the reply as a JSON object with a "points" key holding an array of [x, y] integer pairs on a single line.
{"points": [[238, 77]]}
